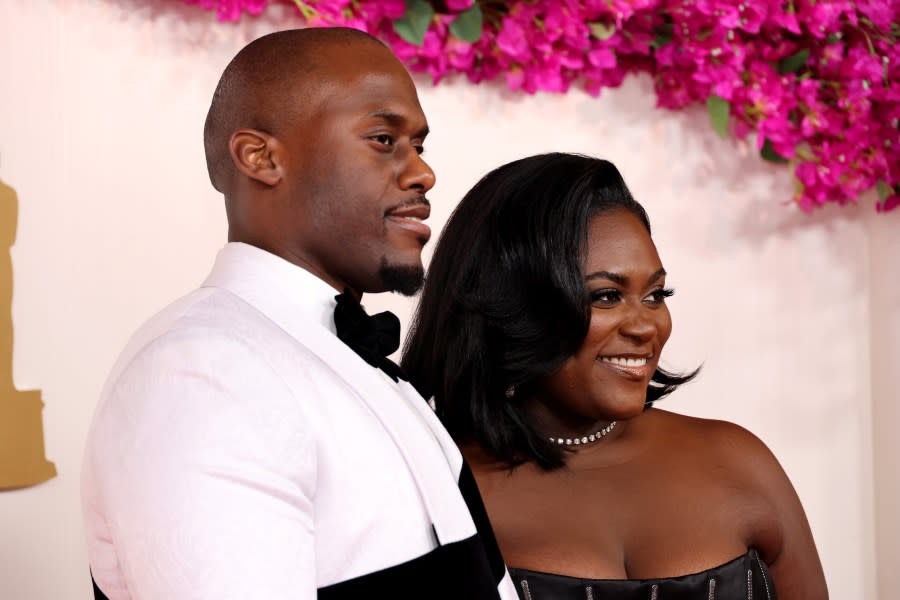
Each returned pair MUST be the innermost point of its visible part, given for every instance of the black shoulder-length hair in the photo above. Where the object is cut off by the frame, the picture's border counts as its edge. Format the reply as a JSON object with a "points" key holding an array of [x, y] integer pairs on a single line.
{"points": [[505, 303]]}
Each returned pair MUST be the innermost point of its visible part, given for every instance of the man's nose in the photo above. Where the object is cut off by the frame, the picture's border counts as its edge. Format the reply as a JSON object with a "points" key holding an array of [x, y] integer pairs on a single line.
{"points": [[417, 174]]}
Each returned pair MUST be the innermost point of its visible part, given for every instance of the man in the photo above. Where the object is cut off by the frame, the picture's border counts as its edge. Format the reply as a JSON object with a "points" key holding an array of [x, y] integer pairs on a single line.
{"points": [[241, 449]]}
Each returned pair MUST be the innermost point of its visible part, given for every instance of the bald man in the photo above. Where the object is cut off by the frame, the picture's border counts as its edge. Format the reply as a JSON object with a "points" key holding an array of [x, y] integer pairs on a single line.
{"points": [[253, 440]]}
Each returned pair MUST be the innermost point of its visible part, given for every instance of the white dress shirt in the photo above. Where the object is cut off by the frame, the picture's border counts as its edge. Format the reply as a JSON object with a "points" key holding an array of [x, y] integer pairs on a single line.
{"points": [[241, 450]]}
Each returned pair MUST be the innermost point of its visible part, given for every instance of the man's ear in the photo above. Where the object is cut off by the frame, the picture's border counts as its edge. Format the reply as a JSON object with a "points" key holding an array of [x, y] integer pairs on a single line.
{"points": [[253, 154]]}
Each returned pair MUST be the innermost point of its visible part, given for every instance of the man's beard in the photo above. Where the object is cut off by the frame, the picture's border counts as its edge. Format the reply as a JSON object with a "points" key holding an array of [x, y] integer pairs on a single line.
{"points": [[401, 278]]}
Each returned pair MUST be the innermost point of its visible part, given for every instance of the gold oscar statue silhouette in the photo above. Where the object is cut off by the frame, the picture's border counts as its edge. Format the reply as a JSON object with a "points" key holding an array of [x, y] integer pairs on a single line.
{"points": [[22, 461]]}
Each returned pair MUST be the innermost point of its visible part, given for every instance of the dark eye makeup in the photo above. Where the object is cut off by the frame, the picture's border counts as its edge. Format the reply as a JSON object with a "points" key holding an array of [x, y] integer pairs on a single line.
{"points": [[605, 297], [610, 296], [659, 296]]}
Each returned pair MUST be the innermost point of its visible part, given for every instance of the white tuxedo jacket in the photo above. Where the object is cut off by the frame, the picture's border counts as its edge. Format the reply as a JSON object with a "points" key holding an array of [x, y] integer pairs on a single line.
{"points": [[241, 450]]}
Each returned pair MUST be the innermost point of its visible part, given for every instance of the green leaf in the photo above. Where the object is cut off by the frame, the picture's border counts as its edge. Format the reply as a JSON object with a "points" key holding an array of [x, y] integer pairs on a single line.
{"points": [[770, 155], [663, 33], [602, 31], [467, 25], [792, 63], [662, 38], [884, 190], [804, 152], [414, 22], [798, 187], [719, 110]]}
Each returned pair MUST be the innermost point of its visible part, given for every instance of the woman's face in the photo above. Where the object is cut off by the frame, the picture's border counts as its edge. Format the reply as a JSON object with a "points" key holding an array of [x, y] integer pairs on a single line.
{"points": [[607, 377]]}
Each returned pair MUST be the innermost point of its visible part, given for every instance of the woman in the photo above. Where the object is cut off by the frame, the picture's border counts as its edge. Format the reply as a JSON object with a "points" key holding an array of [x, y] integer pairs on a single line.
{"points": [[539, 334]]}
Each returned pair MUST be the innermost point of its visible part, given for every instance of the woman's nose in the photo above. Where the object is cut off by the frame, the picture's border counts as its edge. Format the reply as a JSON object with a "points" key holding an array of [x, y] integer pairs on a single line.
{"points": [[639, 325]]}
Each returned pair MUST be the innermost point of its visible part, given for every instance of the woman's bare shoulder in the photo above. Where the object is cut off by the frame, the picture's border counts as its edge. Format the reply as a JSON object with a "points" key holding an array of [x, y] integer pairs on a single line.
{"points": [[789, 548], [724, 438]]}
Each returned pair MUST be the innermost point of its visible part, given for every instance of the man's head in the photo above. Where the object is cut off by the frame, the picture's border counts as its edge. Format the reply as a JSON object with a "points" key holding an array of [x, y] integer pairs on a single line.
{"points": [[314, 137]]}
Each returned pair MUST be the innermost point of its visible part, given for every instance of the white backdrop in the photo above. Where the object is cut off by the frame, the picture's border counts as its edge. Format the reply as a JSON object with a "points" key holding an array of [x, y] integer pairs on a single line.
{"points": [[102, 102]]}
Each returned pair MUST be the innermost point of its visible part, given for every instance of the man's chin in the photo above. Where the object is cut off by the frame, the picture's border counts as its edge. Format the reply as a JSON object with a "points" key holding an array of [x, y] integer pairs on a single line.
{"points": [[403, 279]]}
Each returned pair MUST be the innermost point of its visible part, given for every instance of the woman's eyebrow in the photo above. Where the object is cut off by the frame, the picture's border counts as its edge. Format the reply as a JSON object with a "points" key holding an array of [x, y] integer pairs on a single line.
{"points": [[622, 279], [657, 276], [614, 277]]}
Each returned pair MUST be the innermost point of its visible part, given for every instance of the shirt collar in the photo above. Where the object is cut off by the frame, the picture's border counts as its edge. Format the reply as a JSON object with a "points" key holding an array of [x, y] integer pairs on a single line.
{"points": [[278, 288]]}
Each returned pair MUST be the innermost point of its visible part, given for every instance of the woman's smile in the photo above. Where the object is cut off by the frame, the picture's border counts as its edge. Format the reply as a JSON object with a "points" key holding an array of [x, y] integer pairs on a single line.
{"points": [[632, 368]]}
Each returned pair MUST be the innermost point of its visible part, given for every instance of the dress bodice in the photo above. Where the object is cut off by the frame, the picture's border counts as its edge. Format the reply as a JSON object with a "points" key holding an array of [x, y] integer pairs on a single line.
{"points": [[744, 578]]}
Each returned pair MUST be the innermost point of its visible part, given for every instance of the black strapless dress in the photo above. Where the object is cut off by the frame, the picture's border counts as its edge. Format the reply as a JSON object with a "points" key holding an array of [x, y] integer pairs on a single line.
{"points": [[744, 578]]}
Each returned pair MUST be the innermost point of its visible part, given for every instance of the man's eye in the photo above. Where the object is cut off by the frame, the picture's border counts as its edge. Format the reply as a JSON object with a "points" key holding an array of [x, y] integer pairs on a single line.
{"points": [[383, 139], [605, 297]]}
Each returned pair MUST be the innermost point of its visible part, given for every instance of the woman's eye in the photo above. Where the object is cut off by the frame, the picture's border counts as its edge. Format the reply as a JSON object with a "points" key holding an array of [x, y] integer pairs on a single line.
{"points": [[419, 149], [659, 296], [605, 297]]}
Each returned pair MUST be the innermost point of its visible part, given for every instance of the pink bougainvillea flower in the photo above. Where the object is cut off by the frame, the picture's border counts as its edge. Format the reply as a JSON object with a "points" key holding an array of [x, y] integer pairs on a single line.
{"points": [[459, 5], [231, 10], [515, 78], [374, 11], [603, 58], [889, 204], [725, 12], [819, 80], [511, 40]]}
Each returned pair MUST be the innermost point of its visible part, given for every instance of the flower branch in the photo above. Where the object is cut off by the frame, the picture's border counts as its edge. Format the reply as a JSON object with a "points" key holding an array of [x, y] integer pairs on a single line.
{"points": [[815, 82]]}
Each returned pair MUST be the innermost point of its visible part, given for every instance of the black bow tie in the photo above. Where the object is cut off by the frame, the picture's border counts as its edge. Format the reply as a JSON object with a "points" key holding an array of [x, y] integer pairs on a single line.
{"points": [[372, 337]]}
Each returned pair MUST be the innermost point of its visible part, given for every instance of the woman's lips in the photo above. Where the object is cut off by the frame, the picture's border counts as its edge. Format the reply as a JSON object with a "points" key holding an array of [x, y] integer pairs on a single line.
{"points": [[631, 368]]}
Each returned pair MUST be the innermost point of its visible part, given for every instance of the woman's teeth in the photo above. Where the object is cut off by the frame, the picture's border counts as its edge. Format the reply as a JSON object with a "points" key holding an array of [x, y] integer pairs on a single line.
{"points": [[624, 362]]}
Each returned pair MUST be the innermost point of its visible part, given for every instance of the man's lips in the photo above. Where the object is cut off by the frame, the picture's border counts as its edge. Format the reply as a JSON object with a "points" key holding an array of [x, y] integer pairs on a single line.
{"points": [[410, 218]]}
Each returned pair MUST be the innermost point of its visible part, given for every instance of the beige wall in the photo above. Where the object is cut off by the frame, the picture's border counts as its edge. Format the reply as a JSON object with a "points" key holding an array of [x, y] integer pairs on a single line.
{"points": [[884, 248], [101, 109]]}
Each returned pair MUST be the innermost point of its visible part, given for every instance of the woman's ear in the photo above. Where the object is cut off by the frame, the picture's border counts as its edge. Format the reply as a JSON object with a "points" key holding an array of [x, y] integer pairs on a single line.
{"points": [[253, 154]]}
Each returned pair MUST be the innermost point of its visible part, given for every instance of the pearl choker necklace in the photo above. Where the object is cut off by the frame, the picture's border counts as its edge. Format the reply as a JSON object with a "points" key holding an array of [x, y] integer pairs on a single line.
{"points": [[585, 439]]}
